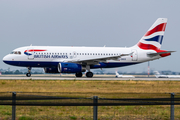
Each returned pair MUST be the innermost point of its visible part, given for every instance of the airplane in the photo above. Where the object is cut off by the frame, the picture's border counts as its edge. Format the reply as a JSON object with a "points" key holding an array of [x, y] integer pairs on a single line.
{"points": [[64, 59], [123, 76], [158, 75]]}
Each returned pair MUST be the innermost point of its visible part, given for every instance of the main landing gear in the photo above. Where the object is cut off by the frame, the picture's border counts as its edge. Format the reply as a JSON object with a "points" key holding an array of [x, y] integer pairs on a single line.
{"points": [[29, 72], [89, 74], [79, 74]]}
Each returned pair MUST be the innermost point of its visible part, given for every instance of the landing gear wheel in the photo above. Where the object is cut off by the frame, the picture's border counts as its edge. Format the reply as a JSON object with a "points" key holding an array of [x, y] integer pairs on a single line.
{"points": [[79, 74], [28, 74], [89, 74]]}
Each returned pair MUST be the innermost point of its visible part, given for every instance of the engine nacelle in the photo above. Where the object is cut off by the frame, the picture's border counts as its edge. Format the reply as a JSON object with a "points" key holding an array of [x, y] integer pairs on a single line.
{"points": [[51, 70], [66, 68], [70, 68]]}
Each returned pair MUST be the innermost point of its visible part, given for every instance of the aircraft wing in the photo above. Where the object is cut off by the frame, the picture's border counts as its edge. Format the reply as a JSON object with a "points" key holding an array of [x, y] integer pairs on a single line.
{"points": [[94, 61], [155, 54]]}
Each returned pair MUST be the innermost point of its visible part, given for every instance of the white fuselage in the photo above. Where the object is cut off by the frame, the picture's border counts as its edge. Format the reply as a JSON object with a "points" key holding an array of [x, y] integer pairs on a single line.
{"points": [[45, 56]]}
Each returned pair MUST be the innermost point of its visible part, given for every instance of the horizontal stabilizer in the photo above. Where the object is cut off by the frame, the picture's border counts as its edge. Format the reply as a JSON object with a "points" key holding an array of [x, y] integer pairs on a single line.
{"points": [[159, 53]]}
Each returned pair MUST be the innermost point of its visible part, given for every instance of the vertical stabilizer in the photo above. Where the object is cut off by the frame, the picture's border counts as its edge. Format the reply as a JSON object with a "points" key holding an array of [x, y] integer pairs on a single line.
{"points": [[153, 38], [117, 74], [156, 73]]}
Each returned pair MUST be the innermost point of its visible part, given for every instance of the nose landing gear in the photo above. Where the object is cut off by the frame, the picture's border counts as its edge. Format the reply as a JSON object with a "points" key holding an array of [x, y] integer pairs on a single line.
{"points": [[29, 72]]}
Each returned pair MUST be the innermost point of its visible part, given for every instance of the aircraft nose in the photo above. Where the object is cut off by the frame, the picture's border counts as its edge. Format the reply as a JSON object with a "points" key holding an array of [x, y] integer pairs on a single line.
{"points": [[8, 59], [5, 59]]}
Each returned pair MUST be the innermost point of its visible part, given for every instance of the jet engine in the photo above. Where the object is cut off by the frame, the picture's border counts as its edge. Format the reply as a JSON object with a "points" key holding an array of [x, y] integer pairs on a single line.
{"points": [[66, 68]]}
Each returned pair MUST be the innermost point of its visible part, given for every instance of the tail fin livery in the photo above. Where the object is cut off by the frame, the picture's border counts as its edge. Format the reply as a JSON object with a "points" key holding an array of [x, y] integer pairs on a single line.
{"points": [[117, 74], [156, 73], [153, 38]]}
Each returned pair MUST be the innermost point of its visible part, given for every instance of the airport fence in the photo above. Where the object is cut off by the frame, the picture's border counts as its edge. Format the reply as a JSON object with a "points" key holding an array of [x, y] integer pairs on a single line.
{"points": [[15, 99]]}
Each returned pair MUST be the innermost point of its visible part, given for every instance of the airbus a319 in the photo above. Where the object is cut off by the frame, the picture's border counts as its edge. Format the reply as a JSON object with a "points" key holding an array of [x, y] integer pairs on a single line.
{"points": [[62, 59], [123, 76]]}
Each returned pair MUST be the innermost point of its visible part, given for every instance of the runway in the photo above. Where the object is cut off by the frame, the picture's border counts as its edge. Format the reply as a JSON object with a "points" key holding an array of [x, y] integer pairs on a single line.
{"points": [[72, 77]]}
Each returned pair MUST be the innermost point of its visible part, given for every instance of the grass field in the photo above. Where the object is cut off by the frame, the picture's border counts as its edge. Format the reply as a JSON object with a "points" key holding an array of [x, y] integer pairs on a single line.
{"points": [[111, 89]]}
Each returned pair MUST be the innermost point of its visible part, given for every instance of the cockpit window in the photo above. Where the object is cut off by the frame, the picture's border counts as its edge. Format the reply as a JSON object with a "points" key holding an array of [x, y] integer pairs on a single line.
{"points": [[16, 52]]}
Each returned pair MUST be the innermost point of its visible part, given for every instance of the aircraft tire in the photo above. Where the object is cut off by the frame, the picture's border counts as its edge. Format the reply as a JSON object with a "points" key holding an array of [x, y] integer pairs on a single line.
{"points": [[79, 74], [28, 74], [89, 74]]}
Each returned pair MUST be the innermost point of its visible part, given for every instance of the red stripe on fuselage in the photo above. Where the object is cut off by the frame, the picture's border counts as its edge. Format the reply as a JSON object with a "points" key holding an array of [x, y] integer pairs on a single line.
{"points": [[35, 50], [160, 27]]}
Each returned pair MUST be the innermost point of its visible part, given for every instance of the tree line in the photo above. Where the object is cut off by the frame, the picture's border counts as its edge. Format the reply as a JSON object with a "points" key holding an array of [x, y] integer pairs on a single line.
{"points": [[19, 72]]}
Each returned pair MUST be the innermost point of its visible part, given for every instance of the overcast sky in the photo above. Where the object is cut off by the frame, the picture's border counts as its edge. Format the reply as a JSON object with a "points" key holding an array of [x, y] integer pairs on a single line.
{"points": [[116, 23]]}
